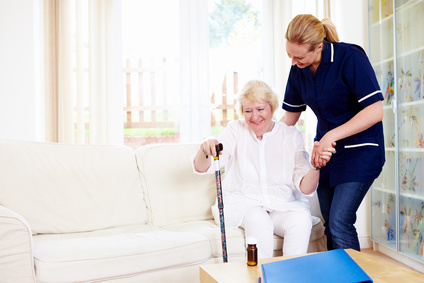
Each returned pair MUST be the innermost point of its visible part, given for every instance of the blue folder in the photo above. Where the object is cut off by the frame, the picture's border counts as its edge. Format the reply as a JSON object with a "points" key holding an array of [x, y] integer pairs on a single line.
{"points": [[331, 266]]}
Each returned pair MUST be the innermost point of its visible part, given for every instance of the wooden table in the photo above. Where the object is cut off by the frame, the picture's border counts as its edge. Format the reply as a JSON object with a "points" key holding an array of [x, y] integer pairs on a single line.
{"points": [[379, 270]]}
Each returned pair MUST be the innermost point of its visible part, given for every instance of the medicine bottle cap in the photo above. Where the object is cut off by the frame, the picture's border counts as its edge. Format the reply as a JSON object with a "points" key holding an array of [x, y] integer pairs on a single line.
{"points": [[251, 241]]}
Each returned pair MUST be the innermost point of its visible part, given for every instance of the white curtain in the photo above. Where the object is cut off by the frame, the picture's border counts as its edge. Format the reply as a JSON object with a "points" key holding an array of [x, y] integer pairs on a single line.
{"points": [[83, 71], [194, 48], [84, 93], [277, 16]]}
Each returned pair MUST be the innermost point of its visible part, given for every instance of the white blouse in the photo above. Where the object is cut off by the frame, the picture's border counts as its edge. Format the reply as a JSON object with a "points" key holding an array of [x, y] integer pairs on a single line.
{"points": [[264, 173]]}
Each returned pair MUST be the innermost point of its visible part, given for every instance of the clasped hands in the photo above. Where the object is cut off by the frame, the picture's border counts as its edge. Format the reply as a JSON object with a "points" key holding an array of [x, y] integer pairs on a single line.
{"points": [[322, 152]]}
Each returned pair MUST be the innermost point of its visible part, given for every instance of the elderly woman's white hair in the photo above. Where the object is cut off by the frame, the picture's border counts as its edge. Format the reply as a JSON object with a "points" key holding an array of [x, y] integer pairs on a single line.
{"points": [[257, 91]]}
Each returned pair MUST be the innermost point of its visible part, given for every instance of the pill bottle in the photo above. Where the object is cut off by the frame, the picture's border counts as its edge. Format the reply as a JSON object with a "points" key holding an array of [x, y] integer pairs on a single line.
{"points": [[252, 251]]}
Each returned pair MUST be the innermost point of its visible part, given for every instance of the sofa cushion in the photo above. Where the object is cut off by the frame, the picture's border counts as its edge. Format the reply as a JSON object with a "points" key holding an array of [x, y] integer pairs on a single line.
{"points": [[62, 188], [174, 193], [116, 253], [236, 247]]}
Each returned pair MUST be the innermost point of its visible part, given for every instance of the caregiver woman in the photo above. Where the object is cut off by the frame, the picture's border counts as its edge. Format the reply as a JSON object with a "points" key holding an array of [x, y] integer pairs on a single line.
{"points": [[337, 82]]}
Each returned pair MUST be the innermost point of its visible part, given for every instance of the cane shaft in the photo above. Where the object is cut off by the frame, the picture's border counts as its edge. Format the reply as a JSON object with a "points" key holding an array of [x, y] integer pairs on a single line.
{"points": [[221, 215], [220, 203]]}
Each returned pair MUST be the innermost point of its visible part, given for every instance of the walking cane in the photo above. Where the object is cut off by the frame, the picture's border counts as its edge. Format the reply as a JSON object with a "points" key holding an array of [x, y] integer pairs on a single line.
{"points": [[219, 148]]}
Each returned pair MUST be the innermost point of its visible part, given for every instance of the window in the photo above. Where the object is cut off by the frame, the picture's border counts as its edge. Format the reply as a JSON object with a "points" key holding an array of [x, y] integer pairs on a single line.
{"points": [[150, 37], [156, 36], [141, 71], [235, 54]]}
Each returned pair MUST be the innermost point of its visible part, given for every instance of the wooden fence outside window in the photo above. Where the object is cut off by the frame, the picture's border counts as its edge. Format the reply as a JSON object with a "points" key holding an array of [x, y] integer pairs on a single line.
{"points": [[150, 114]]}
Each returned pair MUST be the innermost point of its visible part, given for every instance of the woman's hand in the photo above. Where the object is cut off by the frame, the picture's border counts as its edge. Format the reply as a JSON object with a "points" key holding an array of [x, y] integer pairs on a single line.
{"points": [[321, 155], [205, 154], [208, 147]]}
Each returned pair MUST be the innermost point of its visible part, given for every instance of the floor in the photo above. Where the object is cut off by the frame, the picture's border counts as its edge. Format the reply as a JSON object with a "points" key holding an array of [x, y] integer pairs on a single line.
{"points": [[385, 257]]}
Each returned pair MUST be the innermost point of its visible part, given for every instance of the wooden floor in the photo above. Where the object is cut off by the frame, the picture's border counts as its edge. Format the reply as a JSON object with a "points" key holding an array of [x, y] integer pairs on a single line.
{"points": [[380, 255]]}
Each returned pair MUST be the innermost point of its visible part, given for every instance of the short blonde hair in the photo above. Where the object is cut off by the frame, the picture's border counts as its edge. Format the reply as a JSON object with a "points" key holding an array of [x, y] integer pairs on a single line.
{"points": [[257, 91], [307, 29]]}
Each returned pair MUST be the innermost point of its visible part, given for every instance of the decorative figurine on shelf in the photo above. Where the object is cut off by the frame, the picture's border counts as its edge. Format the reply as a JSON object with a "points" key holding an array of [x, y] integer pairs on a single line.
{"points": [[419, 89], [420, 141], [421, 245], [405, 86], [390, 81], [406, 223], [389, 232]]}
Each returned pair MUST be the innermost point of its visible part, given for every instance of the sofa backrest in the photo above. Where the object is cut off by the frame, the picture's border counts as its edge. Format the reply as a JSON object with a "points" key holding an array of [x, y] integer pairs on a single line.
{"points": [[173, 193], [62, 188]]}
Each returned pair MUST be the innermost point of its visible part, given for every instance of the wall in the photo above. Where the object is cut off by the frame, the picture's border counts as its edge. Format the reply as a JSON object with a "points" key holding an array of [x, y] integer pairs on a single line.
{"points": [[20, 70], [351, 20]]}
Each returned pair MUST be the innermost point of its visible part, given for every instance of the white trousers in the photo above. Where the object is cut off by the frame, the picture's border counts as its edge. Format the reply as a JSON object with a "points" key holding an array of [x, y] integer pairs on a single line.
{"points": [[295, 227]]}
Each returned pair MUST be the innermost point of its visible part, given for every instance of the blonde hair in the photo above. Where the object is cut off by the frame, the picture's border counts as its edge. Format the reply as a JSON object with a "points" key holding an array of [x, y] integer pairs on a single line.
{"points": [[257, 91], [307, 29]]}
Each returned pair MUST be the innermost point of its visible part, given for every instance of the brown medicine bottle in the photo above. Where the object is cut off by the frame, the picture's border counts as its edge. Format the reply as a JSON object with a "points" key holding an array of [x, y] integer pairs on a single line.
{"points": [[252, 251]]}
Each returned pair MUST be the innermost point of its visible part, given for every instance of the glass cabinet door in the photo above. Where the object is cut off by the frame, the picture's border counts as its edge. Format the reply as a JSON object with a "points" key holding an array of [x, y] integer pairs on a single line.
{"points": [[383, 193], [409, 26]]}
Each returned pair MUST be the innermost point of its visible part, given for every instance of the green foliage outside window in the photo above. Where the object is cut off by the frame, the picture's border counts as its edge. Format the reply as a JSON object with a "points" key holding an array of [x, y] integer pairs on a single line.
{"points": [[232, 23]]}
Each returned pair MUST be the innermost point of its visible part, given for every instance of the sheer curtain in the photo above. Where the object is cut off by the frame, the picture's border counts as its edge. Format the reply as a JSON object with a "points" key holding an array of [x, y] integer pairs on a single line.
{"points": [[277, 15], [194, 44], [83, 71], [84, 91]]}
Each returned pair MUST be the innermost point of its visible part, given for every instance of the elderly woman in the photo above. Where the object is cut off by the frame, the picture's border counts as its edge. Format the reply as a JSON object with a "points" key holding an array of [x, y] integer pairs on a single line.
{"points": [[267, 174]]}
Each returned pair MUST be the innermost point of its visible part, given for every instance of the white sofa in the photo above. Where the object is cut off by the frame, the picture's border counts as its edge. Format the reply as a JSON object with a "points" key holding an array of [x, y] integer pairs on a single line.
{"points": [[92, 213]]}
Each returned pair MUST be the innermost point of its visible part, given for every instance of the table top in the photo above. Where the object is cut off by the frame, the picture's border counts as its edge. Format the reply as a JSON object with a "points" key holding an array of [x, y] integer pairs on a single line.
{"points": [[378, 269]]}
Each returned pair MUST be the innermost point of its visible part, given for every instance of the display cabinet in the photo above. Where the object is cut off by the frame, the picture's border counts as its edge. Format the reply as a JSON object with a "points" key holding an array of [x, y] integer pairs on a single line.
{"points": [[396, 38]]}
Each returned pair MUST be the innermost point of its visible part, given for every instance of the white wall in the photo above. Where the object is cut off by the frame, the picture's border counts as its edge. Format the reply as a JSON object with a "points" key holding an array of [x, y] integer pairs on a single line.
{"points": [[20, 70], [351, 20]]}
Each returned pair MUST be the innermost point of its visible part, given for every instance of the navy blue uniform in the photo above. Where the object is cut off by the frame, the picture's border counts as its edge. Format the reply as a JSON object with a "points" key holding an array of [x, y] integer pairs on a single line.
{"points": [[343, 85]]}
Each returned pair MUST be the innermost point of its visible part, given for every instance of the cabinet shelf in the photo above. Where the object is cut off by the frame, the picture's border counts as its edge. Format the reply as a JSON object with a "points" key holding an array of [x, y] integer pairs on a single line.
{"points": [[387, 108], [382, 62], [411, 196], [385, 190], [408, 5], [411, 52], [411, 103], [397, 46], [382, 21], [411, 149]]}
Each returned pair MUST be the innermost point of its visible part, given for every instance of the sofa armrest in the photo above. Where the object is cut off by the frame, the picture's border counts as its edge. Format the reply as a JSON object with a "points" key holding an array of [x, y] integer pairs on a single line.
{"points": [[16, 260]]}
